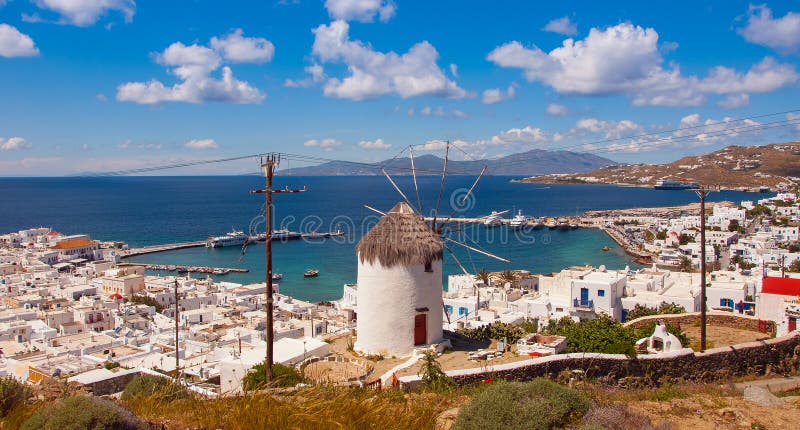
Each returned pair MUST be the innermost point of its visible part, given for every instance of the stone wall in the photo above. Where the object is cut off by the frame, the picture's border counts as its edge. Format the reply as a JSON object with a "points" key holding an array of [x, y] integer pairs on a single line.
{"points": [[774, 356], [111, 385], [717, 318]]}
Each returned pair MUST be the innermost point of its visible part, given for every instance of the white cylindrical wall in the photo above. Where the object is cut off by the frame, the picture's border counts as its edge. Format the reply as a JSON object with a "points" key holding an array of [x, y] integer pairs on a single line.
{"points": [[388, 301]]}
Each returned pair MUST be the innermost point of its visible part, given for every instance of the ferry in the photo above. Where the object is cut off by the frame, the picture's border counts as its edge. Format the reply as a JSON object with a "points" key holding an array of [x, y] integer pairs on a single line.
{"points": [[519, 220], [668, 184], [311, 273], [493, 220], [234, 238]]}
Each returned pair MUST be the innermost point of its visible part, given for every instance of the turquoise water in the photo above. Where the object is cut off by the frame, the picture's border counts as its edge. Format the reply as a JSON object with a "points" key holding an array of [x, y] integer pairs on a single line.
{"points": [[155, 210]]}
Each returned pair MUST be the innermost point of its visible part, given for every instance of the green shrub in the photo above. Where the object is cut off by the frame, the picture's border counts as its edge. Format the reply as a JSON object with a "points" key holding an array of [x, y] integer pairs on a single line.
{"points": [[432, 374], [497, 331], [602, 334], [83, 413], [539, 405], [149, 386], [12, 394], [282, 376]]}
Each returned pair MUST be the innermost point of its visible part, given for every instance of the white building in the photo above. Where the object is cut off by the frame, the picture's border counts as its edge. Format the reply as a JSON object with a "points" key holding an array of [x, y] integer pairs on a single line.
{"points": [[779, 301], [399, 285]]}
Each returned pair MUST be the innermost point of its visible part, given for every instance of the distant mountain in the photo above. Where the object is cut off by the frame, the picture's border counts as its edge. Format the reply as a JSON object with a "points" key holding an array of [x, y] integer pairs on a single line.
{"points": [[531, 163], [739, 167]]}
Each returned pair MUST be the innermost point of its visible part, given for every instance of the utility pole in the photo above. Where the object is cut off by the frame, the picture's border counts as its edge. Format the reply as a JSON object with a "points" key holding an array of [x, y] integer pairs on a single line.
{"points": [[702, 192], [177, 326], [269, 163]]}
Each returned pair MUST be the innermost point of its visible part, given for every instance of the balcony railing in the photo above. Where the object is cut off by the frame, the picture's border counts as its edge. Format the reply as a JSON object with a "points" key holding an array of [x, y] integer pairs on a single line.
{"points": [[579, 303]]}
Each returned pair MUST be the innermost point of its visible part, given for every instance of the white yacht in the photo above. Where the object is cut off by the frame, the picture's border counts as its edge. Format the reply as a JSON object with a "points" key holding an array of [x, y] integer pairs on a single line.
{"points": [[234, 238], [519, 220], [493, 220]]}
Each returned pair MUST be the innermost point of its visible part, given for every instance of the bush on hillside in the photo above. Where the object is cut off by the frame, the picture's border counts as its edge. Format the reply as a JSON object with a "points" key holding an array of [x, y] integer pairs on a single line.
{"points": [[665, 309], [497, 331], [602, 334], [83, 413], [539, 405], [618, 417], [150, 386], [12, 394], [432, 374], [282, 376]]}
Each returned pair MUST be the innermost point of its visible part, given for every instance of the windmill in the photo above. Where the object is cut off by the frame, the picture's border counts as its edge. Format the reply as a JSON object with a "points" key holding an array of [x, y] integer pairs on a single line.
{"points": [[400, 269]]}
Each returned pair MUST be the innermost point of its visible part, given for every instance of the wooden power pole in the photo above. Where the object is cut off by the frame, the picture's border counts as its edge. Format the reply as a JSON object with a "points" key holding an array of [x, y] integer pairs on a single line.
{"points": [[269, 163], [702, 192], [177, 326]]}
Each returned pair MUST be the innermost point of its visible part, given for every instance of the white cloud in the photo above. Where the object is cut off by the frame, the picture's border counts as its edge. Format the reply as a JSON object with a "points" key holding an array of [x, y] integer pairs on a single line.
{"points": [[438, 111], [238, 49], [496, 95], [193, 65], [556, 109], [791, 116], [317, 75], [454, 70], [361, 10], [201, 144], [781, 34], [562, 26], [86, 12], [374, 144], [326, 144], [130, 145], [734, 101], [711, 130], [525, 135], [625, 59], [374, 74], [608, 129], [15, 44], [101, 97], [14, 144]]}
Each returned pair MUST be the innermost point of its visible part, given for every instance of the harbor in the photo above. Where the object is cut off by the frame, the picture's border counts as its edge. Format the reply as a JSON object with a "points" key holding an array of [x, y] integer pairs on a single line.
{"points": [[195, 269]]}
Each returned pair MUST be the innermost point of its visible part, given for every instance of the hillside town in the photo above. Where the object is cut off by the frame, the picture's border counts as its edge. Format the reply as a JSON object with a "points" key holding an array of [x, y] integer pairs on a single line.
{"points": [[71, 309]]}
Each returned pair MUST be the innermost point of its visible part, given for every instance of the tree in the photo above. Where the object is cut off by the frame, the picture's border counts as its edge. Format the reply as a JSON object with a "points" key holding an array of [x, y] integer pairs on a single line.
{"points": [[283, 376], [733, 225], [431, 372], [509, 276], [683, 239], [147, 300], [483, 275], [661, 235], [686, 264], [649, 236], [795, 266]]}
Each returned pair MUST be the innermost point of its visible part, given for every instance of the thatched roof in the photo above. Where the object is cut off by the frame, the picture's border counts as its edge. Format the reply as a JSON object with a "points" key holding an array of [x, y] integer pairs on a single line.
{"points": [[400, 237]]}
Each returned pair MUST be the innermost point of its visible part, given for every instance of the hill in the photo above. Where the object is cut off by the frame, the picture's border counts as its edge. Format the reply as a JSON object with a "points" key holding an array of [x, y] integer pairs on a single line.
{"points": [[735, 167], [531, 163]]}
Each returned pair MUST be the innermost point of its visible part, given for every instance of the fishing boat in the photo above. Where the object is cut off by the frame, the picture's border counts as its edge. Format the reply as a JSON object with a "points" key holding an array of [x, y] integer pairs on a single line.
{"points": [[605, 248], [493, 220], [277, 276], [234, 238], [311, 273], [519, 220]]}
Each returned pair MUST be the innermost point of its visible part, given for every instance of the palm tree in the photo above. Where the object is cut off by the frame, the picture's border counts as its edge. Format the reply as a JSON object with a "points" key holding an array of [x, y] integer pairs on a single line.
{"points": [[483, 275], [509, 276]]}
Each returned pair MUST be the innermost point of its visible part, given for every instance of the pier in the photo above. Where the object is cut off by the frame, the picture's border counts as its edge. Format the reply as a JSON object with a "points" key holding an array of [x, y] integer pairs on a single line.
{"points": [[195, 269], [280, 236]]}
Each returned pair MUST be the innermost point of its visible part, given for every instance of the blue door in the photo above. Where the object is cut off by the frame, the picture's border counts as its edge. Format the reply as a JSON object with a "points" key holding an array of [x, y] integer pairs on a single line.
{"points": [[584, 295]]}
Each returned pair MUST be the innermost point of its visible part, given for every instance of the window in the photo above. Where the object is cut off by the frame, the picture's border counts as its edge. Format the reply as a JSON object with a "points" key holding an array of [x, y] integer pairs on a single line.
{"points": [[448, 309], [601, 293], [462, 310]]}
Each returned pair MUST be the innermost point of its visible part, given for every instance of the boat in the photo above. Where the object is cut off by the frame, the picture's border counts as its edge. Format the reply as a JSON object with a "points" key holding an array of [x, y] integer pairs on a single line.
{"points": [[605, 248], [563, 224], [519, 220], [277, 276], [551, 223], [311, 273], [493, 220], [234, 238], [668, 184], [538, 223]]}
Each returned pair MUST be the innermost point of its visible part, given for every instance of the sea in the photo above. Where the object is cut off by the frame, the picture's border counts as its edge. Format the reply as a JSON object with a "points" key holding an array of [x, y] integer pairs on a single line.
{"points": [[146, 210]]}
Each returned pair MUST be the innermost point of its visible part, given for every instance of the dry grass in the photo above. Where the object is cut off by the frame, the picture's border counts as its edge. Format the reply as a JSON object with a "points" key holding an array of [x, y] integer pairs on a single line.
{"points": [[312, 408]]}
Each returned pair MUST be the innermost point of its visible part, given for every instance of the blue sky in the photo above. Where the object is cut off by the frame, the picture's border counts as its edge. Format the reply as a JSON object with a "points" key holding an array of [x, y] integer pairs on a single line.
{"points": [[98, 85]]}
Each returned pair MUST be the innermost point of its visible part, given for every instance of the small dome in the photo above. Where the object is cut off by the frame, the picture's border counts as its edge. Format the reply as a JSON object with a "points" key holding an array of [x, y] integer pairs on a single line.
{"points": [[400, 237]]}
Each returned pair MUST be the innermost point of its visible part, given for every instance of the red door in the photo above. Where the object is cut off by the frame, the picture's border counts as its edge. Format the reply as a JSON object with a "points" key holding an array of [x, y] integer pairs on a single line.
{"points": [[420, 329], [792, 324]]}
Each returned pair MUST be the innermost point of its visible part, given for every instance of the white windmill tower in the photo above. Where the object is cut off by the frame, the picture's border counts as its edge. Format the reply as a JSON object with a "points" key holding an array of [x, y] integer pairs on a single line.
{"points": [[400, 276]]}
